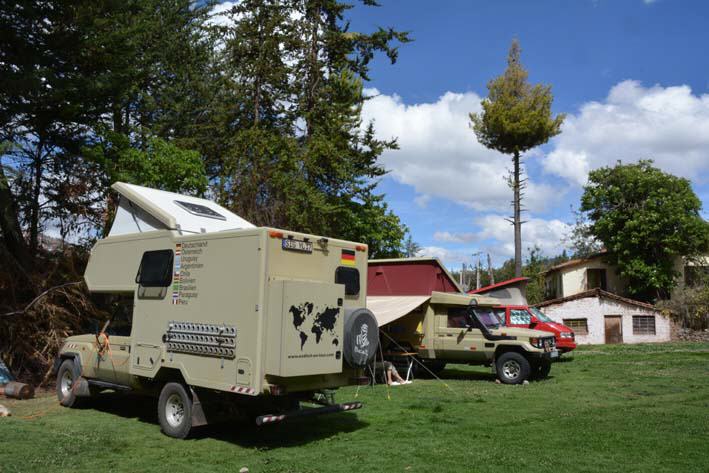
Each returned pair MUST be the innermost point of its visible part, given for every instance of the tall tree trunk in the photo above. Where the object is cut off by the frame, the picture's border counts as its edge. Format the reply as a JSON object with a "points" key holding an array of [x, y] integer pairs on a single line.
{"points": [[517, 222], [10, 226], [313, 70], [36, 194]]}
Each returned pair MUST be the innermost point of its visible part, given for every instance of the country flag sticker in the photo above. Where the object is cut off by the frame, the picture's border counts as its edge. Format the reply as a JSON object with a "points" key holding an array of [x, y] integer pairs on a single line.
{"points": [[348, 258]]}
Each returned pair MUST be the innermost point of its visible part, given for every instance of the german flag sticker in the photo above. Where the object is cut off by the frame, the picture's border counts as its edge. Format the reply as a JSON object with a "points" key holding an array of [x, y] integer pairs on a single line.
{"points": [[348, 258]]}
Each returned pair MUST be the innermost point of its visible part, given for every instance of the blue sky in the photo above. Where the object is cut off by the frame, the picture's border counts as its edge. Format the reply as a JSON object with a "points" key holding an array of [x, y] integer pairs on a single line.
{"points": [[630, 74]]}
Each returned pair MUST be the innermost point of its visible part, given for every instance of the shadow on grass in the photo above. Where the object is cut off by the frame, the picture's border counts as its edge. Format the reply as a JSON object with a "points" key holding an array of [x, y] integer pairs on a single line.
{"points": [[241, 432], [564, 359], [466, 375]]}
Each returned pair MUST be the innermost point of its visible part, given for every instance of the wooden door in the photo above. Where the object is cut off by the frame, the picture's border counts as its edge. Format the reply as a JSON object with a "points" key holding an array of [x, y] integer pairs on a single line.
{"points": [[614, 329]]}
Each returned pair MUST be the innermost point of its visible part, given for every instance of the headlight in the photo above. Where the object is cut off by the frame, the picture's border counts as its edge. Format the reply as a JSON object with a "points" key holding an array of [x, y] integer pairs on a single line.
{"points": [[535, 342], [567, 335]]}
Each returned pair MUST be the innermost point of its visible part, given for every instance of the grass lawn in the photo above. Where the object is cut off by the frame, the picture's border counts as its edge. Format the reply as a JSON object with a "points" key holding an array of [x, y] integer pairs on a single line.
{"points": [[623, 408]]}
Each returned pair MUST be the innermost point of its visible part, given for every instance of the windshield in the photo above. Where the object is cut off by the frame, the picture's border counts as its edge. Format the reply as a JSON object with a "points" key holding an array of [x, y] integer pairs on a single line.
{"points": [[488, 318], [540, 315]]}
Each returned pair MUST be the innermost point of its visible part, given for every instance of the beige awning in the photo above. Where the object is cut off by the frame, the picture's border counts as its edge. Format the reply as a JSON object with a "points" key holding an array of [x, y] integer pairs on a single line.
{"points": [[387, 309]]}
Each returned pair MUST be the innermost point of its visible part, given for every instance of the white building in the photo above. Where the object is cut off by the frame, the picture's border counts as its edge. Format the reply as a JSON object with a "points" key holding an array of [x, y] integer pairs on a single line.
{"points": [[598, 316], [583, 274]]}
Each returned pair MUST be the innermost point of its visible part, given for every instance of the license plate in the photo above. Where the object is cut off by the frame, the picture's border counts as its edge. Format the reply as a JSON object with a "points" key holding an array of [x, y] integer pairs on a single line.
{"points": [[555, 354], [297, 245]]}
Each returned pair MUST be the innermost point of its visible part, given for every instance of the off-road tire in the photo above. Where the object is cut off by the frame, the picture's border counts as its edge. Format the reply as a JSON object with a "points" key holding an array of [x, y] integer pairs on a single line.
{"points": [[433, 366], [543, 369], [66, 377], [512, 368], [175, 410]]}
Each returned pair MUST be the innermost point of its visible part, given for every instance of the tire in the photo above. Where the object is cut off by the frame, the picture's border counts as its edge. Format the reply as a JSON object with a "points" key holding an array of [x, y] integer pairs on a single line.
{"points": [[65, 381], [361, 337], [543, 369], [434, 366], [512, 368], [175, 410]]}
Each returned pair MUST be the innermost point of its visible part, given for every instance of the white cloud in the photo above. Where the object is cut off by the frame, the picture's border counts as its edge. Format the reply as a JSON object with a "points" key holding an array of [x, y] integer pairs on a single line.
{"points": [[495, 236], [450, 258], [667, 124], [449, 237], [219, 15], [439, 155], [548, 235], [422, 200]]}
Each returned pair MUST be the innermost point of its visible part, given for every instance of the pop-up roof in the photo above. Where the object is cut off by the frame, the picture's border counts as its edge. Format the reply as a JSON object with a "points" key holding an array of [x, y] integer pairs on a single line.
{"points": [[510, 292], [409, 277], [142, 209]]}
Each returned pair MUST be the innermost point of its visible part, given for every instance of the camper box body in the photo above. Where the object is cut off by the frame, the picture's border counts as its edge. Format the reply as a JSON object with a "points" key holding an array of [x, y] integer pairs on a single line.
{"points": [[264, 304]]}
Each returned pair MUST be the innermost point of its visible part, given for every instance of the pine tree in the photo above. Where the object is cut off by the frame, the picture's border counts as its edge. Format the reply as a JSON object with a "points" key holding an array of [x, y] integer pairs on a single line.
{"points": [[516, 117]]}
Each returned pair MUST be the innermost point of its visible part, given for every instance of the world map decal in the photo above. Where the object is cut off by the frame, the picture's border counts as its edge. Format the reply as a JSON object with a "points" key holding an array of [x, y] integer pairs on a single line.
{"points": [[306, 320]]}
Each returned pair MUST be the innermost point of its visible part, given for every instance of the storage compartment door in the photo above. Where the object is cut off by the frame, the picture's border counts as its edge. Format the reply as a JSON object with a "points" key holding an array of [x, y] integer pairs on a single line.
{"points": [[312, 321]]}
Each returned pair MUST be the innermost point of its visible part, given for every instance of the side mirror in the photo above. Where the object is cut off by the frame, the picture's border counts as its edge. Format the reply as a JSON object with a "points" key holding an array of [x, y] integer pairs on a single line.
{"points": [[533, 321]]}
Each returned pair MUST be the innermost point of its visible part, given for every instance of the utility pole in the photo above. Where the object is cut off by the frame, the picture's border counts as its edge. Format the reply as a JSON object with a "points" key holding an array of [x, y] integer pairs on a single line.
{"points": [[477, 273], [489, 270], [477, 269]]}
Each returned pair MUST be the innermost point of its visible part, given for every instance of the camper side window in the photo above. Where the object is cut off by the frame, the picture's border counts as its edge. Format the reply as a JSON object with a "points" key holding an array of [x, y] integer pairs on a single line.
{"points": [[155, 269], [458, 317], [350, 278]]}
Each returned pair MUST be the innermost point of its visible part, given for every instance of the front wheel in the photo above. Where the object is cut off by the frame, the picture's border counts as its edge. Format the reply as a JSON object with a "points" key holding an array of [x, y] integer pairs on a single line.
{"points": [[175, 410], [512, 368], [65, 383]]}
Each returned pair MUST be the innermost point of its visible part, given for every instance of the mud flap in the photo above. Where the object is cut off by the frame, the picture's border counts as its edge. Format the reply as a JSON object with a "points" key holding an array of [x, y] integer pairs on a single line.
{"points": [[198, 417], [80, 388]]}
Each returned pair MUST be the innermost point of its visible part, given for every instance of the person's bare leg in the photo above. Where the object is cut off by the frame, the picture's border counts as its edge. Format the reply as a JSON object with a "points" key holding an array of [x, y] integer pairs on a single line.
{"points": [[389, 376], [398, 378]]}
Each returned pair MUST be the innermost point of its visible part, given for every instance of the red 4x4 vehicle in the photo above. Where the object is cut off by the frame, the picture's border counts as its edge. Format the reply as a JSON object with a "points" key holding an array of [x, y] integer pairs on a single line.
{"points": [[530, 317]]}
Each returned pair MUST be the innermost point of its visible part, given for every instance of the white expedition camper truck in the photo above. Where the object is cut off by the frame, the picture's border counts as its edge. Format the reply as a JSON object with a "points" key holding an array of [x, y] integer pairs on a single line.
{"points": [[222, 315]]}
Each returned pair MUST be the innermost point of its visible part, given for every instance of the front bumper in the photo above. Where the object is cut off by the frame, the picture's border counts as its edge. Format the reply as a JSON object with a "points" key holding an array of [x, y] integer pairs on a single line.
{"points": [[546, 355]]}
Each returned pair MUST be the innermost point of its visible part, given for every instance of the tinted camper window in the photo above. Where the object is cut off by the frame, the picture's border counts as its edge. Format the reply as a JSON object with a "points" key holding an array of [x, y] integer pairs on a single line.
{"points": [[350, 278], [155, 269]]}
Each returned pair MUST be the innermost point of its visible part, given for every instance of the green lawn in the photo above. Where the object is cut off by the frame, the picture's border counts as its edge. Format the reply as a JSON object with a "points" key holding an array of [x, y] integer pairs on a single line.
{"points": [[627, 408]]}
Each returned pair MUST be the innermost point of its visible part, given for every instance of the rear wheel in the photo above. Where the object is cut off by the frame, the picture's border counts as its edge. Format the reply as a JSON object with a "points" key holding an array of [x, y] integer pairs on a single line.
{"points": [[512, 368], [175, 410], [435, 366]]}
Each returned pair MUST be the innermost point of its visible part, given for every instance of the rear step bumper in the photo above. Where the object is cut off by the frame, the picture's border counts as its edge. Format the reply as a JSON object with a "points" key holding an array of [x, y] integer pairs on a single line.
{"points": [[271, 419]]}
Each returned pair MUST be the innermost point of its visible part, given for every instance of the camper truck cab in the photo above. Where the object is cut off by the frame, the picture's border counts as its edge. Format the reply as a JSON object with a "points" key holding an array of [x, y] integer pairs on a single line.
{"points": [[220, 315]]}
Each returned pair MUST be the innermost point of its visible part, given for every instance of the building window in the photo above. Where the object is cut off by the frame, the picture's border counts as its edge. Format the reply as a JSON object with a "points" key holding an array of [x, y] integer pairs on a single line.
{"points": [[554, 286], [579, 326], [596, 278], [643, 325]]}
